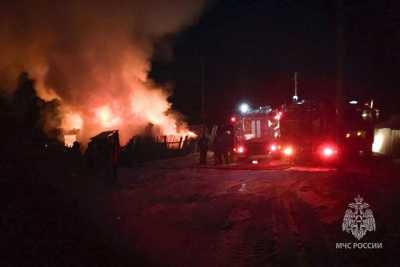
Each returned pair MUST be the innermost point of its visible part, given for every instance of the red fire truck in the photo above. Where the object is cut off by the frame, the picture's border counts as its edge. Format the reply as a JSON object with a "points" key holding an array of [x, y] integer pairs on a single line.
{"points": [[313, 131], [308, 130], [305, 131], [255, 130]]}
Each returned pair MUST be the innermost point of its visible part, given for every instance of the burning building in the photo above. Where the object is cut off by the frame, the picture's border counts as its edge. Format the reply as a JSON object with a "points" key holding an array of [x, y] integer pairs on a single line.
{"points": [[94, 57]]}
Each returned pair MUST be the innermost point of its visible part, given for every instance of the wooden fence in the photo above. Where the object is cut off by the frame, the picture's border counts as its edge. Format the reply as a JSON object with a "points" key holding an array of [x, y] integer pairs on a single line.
{"points": [[146, 148]]}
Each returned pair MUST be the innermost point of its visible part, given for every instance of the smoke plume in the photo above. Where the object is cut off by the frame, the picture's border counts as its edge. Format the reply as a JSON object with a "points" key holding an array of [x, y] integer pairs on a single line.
{"points": [[94, 56]]}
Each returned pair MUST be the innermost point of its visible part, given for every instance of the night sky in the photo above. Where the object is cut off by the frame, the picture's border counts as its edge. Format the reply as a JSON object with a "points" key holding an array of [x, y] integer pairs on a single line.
{"points": [[251, 48]]}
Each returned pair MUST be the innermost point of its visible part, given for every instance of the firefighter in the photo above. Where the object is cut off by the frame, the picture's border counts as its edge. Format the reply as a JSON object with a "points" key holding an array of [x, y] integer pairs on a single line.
{"points": [[228, 144], [218, 148], [203, 147]]}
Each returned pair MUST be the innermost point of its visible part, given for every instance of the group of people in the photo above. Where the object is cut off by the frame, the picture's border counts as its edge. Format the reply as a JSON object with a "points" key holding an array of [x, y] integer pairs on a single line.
{"points": [[222, 146]]}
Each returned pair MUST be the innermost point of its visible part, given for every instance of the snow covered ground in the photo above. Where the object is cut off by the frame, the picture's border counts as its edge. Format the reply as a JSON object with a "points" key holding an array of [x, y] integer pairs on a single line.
{"points": [[176, 213]]}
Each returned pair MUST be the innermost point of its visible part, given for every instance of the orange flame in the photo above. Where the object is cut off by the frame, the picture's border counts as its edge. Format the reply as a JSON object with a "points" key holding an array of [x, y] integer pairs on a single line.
{"points": [[106, 117], [69, 139], [72, 121]]}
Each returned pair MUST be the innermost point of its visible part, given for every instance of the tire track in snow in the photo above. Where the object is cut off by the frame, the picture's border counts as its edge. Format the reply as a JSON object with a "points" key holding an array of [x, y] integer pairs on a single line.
{"points": [[248, 238]]}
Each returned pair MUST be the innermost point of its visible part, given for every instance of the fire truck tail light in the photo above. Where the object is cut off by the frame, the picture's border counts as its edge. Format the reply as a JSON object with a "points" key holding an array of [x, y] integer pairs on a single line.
{"points": [[328, 151], [240, 149]]}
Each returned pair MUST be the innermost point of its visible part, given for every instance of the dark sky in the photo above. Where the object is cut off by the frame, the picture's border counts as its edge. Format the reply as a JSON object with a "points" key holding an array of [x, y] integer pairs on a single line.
{"points": [[251, 48]]}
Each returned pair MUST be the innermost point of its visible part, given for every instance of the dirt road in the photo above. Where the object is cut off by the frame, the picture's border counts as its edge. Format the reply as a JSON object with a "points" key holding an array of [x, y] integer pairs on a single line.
{"points": [[175, 213], [189, 216]]}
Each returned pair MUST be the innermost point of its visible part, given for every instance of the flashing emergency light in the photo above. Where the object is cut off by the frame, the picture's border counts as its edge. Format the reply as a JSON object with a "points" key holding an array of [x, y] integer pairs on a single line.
{"points": [[244, 108]]}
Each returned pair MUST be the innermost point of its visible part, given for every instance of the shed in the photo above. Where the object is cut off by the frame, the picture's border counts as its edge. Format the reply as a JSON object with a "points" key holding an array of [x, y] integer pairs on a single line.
{"points": [[387, 137]]}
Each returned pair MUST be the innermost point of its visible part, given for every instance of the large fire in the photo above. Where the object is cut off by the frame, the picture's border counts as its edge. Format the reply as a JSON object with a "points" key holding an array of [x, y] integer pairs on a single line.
{"points": [[131, 115], [106, 117], [95, 58]]}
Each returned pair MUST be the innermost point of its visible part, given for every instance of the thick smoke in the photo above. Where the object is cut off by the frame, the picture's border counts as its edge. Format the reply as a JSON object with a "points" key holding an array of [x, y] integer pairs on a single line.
{"points": [[95, 57]]}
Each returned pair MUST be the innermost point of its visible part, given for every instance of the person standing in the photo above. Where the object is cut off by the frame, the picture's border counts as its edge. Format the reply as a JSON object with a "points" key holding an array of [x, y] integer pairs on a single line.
{"points": [[218, 148], [228, 146], [203, 147]]}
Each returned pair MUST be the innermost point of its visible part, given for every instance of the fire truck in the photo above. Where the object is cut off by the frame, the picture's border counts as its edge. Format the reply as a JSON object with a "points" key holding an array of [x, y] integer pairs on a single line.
{"points": [[308, 130], [254, 131], [305, 131], [312, 131]]}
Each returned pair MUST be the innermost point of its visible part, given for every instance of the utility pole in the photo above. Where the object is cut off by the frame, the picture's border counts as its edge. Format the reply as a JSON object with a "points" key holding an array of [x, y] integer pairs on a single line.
{"points": [[295, 96], [203, 93], [339, 58]]}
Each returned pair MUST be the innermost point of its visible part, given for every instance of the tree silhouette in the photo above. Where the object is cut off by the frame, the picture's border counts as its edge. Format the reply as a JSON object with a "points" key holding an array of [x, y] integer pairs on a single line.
{"points": [[26, 102]]}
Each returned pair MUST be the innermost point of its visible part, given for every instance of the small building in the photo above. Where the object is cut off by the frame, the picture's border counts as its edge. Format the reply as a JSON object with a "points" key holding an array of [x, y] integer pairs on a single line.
{"points": [[387, 137]]}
